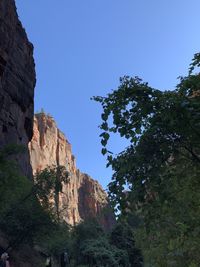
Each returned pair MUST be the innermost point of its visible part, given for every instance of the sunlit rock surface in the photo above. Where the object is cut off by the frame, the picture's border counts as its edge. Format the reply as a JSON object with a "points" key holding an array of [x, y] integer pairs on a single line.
{"points": [[82, 196]]}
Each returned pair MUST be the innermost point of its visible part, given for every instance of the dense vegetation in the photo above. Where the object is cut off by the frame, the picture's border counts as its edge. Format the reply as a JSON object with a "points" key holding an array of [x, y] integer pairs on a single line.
{"points": [[156, 180], [93, 247], [30, 214], [22, 217]]}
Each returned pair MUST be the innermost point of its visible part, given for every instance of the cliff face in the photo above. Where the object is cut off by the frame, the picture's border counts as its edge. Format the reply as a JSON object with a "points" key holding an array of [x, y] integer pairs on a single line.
{"points": [[82, 196], [17, 82]]}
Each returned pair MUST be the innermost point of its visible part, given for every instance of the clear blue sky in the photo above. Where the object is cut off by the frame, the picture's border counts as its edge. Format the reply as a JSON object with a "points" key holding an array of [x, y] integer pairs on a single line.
{"points": [[83, 47]]}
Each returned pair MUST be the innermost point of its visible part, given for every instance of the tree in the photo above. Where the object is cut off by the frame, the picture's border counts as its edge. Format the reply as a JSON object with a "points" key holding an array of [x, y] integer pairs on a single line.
{"points": [[160, 168], [48, 185], [22, 217], [57, 240], [92, 247], [122, 237]]}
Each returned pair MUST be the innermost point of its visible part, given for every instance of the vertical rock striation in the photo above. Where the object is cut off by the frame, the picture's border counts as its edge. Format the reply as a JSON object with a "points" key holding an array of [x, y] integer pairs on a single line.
{"points": [[17, 82], [82, 197]]}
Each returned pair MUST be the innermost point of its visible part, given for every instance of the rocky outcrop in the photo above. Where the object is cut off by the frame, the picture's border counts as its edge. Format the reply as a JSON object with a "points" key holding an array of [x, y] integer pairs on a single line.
{"points": [[17, 82], [82, 196]]}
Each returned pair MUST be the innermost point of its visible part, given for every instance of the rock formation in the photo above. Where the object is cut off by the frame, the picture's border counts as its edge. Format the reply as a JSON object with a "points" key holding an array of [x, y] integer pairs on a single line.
{"points": [[82, 196], [17, 82]]}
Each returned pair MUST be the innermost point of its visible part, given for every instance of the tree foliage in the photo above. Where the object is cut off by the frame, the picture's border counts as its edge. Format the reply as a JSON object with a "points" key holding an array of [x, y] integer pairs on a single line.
{"points": [[94, 247], [48, 184], [122, 237], [25, 206], [21, 215], [160, 168]]}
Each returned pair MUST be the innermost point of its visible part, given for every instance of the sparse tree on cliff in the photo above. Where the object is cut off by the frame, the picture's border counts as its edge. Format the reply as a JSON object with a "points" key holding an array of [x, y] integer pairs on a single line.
{"points": [[48, 184]]}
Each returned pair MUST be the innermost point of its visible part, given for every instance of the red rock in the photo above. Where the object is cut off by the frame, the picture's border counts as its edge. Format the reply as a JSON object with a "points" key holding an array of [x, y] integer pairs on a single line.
{"points": [[82, 196], [17, 82]]}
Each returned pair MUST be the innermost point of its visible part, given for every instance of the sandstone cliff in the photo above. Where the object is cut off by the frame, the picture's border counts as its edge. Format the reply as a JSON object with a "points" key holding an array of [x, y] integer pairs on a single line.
{"points": [[82, 196], [17, 82]]}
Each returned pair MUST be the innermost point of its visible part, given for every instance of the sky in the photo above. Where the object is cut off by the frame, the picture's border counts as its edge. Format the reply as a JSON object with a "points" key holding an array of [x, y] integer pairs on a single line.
{"points": [[82, 48]]}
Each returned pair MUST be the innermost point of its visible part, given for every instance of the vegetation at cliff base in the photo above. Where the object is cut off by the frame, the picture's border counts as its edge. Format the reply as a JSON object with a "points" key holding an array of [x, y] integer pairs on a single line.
{"points": [[93, 247], [31, 216], [156, 177], [22, 217]]}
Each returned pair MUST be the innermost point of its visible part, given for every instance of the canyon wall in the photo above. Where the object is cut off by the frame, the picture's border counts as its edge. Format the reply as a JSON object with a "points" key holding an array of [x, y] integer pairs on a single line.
{"points": [[82, 197], [17, 82]]}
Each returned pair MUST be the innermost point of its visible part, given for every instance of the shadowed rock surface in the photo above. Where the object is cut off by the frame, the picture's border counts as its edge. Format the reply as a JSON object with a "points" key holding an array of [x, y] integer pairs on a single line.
{"points": [[82, 196], [17, 82]]}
